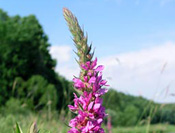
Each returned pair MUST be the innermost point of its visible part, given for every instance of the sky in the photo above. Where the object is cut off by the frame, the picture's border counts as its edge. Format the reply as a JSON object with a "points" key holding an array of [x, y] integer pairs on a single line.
{"points": [[133, 39]]}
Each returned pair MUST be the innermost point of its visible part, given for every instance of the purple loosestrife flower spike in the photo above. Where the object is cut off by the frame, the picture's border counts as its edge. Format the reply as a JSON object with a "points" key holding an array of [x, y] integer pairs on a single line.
{"points": [[80, 40], [88, 107]]}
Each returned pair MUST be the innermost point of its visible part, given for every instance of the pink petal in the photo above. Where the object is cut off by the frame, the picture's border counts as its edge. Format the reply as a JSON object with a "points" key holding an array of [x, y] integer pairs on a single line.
{"points": [[84, 67], [94, 63], [73, 122], [73, 130], [89, 73], [92, 80], [99, 121], [85, 78], [88, 64], [72, 108], [101, 92], [99, 68], [78, 83], [94, 88], [103, 82], [90, 106], [98, 100], [75, 95], [96, 106]]}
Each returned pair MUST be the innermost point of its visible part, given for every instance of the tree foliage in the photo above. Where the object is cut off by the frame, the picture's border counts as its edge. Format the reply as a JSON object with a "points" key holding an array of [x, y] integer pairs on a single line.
{"points": [[23, 54], [127, 110]]}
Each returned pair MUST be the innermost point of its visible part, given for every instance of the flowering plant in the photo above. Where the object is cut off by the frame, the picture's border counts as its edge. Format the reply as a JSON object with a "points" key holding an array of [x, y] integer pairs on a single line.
{"points": [[89, 84]]}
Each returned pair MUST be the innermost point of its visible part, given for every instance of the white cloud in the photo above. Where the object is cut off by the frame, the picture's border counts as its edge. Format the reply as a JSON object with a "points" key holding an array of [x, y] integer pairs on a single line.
{"points": [[140, 72], [136, 73], [66, 64], [61, 53], [68, 70]]}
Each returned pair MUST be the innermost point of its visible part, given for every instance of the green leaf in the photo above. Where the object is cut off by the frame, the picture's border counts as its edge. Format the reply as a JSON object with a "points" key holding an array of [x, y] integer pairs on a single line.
{"points": [[18, 129]]}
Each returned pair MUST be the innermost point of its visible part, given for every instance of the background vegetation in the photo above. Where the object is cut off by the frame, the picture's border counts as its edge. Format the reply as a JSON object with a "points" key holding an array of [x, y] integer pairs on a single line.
{"points": [[30, 89]]}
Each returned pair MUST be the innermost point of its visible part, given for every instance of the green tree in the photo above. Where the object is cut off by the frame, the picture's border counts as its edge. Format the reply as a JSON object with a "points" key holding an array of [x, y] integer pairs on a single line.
{"points": [[24, 53], [36, 93]]}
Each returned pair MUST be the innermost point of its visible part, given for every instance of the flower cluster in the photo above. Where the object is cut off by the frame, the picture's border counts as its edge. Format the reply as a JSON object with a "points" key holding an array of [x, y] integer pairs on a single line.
{"points": [[88, 106]]}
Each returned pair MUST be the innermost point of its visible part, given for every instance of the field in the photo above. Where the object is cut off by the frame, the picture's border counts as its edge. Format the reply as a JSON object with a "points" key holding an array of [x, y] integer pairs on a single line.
{"points": [[57, 125], [158, 128]]}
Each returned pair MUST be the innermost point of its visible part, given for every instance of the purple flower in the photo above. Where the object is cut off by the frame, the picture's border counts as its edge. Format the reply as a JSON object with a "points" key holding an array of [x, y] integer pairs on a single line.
{"points": [[89, 109], [73, 130], [78, 83]]}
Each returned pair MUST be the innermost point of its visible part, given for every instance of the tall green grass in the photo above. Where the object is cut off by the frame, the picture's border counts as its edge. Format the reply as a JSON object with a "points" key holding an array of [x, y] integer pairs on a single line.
{"points": [[57, 125]]}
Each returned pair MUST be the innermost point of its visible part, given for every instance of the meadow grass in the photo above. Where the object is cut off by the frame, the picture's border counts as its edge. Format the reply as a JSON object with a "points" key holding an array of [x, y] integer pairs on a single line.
{"points": [[57, 125], [158, 128]]}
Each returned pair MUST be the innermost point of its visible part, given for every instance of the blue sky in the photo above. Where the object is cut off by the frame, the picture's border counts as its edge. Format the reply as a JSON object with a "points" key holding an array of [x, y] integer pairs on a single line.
{"points": [[140, 33], [117, 25]]}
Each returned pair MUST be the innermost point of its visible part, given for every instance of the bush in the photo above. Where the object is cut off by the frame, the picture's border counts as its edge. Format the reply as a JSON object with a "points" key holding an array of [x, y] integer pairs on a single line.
{"points": [[14, 106], [37, 93]]}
